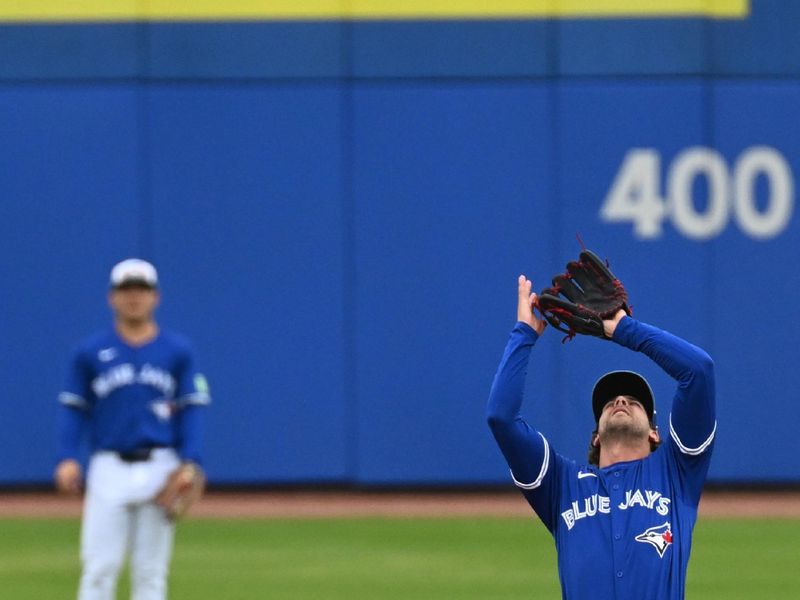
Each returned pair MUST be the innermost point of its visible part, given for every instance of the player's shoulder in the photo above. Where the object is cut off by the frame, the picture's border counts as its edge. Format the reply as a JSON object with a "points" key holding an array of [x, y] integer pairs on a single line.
{"points": [[175, 341], [567, 468], [95, 341]]}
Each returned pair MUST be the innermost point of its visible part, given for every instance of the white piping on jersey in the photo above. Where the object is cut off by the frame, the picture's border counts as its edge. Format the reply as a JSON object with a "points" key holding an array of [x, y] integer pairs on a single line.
{"points": [[196, 398], [691, 451], [542, 471], [71, 399]]}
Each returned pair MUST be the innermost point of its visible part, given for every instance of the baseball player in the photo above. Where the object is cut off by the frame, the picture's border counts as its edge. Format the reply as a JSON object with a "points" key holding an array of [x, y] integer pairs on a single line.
{"points": [[622, 523], [134, 392]]}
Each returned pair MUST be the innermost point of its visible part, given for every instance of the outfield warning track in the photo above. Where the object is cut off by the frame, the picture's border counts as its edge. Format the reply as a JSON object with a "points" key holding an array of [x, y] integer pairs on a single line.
{"points": [[343, 504]]}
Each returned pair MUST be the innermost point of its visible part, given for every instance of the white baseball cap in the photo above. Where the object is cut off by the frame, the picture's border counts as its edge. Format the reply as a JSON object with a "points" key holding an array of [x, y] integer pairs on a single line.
{"points": [[134, 271]]}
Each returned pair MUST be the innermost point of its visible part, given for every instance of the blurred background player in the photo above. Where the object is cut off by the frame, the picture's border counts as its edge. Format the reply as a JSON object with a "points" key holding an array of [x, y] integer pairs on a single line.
{"points": [[134, 392], [622, 522]]}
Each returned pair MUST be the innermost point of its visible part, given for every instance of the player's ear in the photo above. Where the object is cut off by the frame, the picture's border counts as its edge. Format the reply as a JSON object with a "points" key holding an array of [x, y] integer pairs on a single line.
{"points": [[595, 439], [654, 436]]}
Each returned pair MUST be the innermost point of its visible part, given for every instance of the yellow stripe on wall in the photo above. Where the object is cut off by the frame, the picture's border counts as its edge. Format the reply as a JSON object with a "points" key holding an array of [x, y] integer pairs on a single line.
{"points": [[224, 10]]}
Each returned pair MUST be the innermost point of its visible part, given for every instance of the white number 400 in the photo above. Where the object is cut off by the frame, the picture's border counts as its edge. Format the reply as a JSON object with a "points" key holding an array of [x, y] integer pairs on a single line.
{"points": [[635, 194]]}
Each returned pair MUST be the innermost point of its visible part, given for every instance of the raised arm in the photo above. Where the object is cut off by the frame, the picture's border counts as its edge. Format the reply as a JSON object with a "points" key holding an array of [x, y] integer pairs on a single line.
{"points": [[693, 418], [524, 448]]}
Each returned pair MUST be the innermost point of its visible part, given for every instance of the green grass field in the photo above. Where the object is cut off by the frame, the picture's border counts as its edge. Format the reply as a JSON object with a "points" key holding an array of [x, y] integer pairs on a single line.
{"points": [[354, 559]]}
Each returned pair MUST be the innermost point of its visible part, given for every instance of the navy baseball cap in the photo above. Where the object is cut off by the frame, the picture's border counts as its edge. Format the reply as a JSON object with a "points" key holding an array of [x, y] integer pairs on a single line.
{"points": [[623, 383], [133, 271]]}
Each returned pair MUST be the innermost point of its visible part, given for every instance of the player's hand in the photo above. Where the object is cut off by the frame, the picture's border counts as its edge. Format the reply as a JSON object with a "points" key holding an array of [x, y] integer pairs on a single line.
{"points": [[184, 486], [610, 325], [525, 304], [68, 476]]}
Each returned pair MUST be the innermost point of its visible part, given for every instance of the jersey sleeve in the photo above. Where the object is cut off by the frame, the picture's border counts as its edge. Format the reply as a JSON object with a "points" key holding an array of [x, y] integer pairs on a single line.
{"points": [[191, 426], [192, 385], [527, 452], [692, 423], [192, 396], [77, 391], [75, 402]]}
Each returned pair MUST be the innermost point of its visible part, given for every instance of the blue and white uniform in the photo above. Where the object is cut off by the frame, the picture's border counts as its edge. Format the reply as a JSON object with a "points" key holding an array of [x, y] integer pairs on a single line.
{"points": [[623, 532], [133, 397], [141, 408]]}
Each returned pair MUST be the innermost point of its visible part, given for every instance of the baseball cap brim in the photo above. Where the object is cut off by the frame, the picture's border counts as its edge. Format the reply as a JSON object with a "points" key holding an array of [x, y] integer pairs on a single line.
{"points": [[623, 383], [134, 282]]}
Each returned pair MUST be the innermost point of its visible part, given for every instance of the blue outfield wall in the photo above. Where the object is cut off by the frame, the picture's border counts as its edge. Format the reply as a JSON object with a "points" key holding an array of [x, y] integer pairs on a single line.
{"points": [[339, 211]]}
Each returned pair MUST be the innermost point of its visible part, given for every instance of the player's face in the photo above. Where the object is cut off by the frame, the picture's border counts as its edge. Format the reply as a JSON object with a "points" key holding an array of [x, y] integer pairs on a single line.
{"points": [[134, 303], [624, 415]]}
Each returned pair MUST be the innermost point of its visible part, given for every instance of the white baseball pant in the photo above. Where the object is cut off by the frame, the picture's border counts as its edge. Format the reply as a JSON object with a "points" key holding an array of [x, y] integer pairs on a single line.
{"points": [[120, 519]]}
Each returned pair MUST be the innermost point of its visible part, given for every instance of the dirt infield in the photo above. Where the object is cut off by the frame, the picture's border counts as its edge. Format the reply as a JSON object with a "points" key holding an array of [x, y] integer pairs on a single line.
{"points": [[327, 504]]}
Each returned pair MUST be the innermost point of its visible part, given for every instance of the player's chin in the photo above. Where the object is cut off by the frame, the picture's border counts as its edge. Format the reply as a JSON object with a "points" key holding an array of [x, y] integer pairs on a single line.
{"points": [[624, 427]]}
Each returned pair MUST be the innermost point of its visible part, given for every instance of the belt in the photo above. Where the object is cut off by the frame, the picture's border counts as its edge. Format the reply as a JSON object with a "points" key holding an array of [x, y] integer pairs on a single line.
{"points": [[138, 454]]}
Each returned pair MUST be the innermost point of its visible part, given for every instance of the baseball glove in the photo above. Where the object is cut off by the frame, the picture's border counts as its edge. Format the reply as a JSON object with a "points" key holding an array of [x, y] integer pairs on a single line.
{"points": [[583, 297], [183, 488]]}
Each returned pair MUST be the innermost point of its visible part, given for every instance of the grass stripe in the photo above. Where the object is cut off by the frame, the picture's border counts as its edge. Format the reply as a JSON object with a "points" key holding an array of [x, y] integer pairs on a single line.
{"points": [[380, 558]]}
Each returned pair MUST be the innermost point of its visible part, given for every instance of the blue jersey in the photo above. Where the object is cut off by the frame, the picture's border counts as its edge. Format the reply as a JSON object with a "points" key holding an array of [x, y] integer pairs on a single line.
{"points": [[133, 397], [623, 532]]}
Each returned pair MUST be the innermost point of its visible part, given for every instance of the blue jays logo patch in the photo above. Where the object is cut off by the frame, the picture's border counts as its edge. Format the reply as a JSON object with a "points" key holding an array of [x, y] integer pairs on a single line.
{"points": [[659, 537]]}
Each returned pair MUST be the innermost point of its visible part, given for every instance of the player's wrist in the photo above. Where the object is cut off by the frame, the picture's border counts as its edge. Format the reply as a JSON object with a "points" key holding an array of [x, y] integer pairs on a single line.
{"points": [[528, 328], [191, 461], [190, 466], [610, 325]]}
